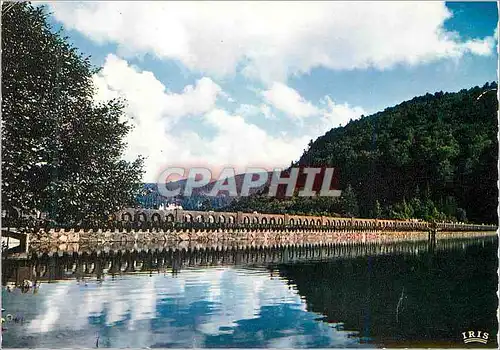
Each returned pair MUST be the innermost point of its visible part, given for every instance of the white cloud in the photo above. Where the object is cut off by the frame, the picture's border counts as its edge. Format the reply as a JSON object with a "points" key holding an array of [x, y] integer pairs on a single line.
{"points": [[152, 110], [148, 95], [273, 40], [266, 111], [289, 101], [334, 114], [481, 47], [242, 144], [327, 114], [156, 114], [248, 110]]}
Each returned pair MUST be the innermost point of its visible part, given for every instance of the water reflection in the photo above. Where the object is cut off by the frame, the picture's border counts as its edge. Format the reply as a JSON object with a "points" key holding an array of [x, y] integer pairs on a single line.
{"points": [[207, 307], [323, 296], [407, 300]]}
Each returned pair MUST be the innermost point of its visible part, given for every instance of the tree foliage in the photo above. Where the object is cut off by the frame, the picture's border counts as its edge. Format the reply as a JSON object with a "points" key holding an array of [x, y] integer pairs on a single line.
{"points": [[350, 202], [328, 206], [445, 143], [61, 150]]}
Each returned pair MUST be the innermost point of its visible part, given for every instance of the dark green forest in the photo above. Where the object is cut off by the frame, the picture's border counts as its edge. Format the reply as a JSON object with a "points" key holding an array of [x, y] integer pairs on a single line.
{"points": [[433, 157]]}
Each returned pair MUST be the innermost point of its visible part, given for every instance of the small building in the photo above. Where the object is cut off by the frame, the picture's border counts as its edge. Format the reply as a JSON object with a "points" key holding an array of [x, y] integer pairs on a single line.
{"points": [[170, 206]]}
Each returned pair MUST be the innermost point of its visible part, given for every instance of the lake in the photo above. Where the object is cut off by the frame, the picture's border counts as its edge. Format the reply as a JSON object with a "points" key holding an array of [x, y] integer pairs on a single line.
{"points": [[402, 294]]}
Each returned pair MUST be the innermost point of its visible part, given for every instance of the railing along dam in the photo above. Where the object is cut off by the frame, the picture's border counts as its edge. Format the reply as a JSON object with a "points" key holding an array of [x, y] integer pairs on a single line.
{"points": [[57, 266], [151, 218], [142, 225]]}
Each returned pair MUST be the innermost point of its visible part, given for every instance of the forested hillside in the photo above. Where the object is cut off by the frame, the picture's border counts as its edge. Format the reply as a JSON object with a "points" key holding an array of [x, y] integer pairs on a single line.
{"points": [[433, 157]]}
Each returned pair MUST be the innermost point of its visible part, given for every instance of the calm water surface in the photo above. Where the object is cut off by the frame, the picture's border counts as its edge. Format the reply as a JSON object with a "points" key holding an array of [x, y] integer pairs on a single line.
{"points": [[419, 297]]}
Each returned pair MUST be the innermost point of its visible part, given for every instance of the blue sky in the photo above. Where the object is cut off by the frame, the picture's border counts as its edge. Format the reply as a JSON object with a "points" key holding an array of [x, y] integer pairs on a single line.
{"points": [[244, 84]]}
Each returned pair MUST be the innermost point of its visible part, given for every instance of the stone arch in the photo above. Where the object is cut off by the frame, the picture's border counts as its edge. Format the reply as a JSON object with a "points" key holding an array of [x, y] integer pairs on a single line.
{"points": [[272, 221], [156, 217], [318, 222], [299, 221], [312, 223], [246, 220], [211, 219], [200, 218], [141, 216], [291, 221], [188, 218], [280, 221], [13, 212], [255, 220], [306, 222], [170, 218], [222, 219], [126, 216], [231, 219], [122, 238], [264, 221]]}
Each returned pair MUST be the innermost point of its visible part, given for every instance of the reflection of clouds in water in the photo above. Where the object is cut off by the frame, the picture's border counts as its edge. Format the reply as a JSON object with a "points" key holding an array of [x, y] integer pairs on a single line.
{"points": [[144, 307], [52, 313], [287, 342], [240, 295], [178, 311]]}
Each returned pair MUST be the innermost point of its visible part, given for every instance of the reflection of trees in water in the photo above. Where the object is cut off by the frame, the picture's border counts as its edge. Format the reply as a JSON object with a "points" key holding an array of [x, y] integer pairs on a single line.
{"points": [[99, 264], [358, 286], [424, 297]]}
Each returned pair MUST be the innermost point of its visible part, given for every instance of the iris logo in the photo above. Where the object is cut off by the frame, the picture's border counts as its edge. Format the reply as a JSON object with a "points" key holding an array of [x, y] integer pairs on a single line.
{"points": [[475, 337]]}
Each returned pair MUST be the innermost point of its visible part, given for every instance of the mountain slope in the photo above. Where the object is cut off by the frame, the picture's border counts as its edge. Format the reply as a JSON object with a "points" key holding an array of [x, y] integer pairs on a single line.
{"points": [[151, 197], [443, 145]]}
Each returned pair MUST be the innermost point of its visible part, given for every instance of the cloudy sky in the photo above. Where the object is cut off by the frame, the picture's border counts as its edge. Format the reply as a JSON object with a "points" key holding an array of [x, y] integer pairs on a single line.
{"points": [[249, 84]]}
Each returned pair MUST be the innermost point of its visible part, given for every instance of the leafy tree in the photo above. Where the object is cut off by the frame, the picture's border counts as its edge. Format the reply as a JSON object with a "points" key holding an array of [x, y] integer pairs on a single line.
{"points": [[461, 215], [61, 150], [377, 210], [349, 201], [206, 205]]}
